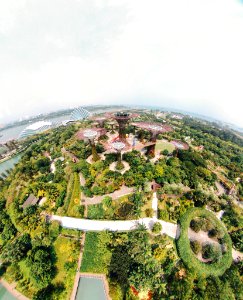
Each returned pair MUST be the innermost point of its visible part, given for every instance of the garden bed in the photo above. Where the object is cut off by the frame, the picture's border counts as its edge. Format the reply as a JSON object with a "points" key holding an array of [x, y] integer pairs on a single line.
{"points": [[216, 268]]}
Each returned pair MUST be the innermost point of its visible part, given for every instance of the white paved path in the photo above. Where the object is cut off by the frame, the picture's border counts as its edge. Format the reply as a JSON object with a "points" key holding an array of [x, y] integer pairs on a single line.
{"points": [[97, 225], [155, 205]]}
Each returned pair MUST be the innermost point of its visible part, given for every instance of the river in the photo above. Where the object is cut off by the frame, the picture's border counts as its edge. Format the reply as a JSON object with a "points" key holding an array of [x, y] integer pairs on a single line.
{"points": [[9, 164], [13, 132]]}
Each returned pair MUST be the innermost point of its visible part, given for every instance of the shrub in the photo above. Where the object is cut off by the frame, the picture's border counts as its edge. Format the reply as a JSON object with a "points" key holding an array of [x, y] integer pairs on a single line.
{"points": [[207, 224], [157, 227], [164, 215], [195, 225], [215, 232], [106, 202], [237, 238], [81, 209], [195, 246], [96, 211], [149, 212], [119, 166], [211, 251], [165, 152], [198, 224]]}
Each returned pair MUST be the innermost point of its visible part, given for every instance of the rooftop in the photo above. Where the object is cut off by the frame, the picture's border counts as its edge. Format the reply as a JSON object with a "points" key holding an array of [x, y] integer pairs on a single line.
{"points": [[31, 200]]}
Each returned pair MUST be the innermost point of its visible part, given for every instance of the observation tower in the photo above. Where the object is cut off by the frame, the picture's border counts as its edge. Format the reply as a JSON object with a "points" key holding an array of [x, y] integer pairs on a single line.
{"points": [[118, 146], [91, 135], [100, 120], [155, 129], [122, 119]]}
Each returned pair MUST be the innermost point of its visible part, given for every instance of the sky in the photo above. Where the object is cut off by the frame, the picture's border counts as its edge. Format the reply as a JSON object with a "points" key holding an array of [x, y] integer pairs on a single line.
{"points": [[182, 54]]}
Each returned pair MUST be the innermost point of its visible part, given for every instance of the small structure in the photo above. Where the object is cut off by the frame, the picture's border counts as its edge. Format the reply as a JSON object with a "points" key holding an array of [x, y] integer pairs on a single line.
{"points": [[154, 128], [118, 146], [66, 122], [100, 132], [177, 117], [119, 166], [79, 113], [180, 145], [100, 120], [91, 135], [122, 119], [37, 127], [31, 200]]}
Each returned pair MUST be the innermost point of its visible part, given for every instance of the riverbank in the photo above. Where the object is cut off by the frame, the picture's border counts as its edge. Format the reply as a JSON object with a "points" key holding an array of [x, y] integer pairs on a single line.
{"points": [[8, 164]]}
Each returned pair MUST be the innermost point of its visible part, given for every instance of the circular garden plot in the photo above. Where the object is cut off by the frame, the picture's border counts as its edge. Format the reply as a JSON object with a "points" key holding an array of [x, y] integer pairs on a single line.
{"points": [[204, 244]]}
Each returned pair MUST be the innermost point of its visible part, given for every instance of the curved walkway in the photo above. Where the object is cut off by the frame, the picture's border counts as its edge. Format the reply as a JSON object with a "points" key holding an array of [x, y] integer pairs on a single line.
{"points": [[98, 225], [123, 191], [112, 167], [168, 228], [155, 206], [202, 236]]}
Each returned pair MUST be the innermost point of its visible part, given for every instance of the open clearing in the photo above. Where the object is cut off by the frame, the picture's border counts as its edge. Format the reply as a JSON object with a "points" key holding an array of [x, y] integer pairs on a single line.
{"points": [[163, 144]]}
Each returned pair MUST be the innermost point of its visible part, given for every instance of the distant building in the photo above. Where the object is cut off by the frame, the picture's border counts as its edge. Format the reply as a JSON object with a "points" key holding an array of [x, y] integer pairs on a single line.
{"points": [[178, 117], [79, 114], [35, 128], [66, 122], [31, 200], [3, 149]]}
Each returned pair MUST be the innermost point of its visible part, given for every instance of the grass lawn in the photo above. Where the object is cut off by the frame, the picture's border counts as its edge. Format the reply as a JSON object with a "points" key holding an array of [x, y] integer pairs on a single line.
{"points": [[74, 204], [28, 290], [147, 205], [162, 145], [96, 256], [67, 251], [161, 205], [162, 212], [24, 269], [96, 211], [71, 232]]}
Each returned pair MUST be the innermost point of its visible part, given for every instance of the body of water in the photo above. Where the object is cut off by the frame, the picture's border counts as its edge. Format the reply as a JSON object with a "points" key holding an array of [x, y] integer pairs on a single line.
{"points": [[14, 132], [5, 295], [9, 164], [91, 289]]}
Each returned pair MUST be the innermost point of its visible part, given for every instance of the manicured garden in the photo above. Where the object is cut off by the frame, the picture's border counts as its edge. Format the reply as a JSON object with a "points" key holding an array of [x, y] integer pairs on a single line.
{"points": [[67, 252], [126, 207], [41, 257], [162, 145], [218, 265], [96, 257]]}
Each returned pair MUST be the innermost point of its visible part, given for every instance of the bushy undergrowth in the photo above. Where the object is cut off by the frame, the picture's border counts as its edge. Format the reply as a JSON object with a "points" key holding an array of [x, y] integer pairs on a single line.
{"points": [[216, 268]]}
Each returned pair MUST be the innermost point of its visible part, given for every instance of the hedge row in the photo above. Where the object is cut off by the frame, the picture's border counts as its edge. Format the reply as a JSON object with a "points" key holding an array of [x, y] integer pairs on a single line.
{"points": [[183, 245]]}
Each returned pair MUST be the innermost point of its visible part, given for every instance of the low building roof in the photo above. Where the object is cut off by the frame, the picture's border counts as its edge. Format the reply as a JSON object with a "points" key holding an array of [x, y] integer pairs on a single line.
{"points": [[31, 200]]}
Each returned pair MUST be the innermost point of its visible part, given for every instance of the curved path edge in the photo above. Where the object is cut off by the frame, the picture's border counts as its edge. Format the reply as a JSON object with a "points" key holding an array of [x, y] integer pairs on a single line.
{"points": [[127, 225], [99, 225]]}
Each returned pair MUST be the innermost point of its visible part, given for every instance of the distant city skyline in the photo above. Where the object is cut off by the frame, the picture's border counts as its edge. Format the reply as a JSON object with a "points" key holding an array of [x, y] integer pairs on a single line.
{"points": [[180, 54]]}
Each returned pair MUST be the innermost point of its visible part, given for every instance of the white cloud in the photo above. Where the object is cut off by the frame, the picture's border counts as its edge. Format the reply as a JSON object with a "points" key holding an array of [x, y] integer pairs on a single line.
{"points": [[184, 54]]}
